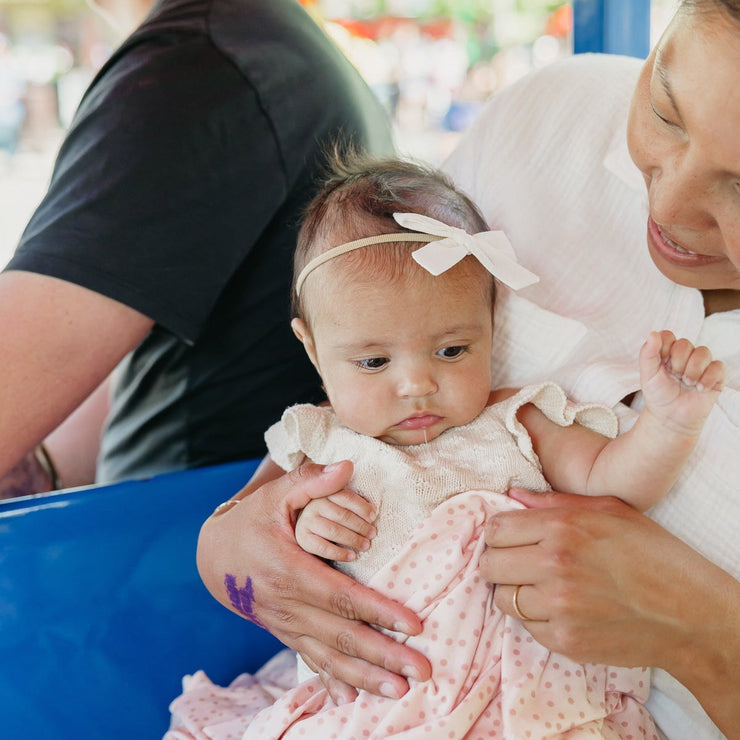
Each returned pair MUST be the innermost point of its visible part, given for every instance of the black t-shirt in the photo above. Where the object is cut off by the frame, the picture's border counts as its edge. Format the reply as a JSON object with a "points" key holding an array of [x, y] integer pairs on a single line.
{"points": [[178, 192]]}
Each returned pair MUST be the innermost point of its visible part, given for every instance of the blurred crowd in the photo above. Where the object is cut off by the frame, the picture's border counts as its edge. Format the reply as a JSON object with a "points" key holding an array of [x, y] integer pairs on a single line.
{"points": [[432, 70]]}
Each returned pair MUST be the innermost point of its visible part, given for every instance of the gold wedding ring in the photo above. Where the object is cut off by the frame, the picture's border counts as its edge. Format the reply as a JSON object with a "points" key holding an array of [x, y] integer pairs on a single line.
{"points": [[517, 609]]}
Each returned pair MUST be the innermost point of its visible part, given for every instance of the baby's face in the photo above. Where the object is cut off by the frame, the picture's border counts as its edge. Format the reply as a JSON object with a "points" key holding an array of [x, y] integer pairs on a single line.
{"points": [[405, 360]]}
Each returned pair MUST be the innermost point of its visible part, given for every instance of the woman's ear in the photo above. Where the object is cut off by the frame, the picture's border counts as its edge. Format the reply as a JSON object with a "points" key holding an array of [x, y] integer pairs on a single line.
{"points": [[301, 330]]}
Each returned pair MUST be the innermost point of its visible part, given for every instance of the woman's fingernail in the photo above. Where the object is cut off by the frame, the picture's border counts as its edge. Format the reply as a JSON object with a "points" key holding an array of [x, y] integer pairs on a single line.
{"points": [[340, 699], [330, 468], [410, 672], [402, 627], [390, 691]]}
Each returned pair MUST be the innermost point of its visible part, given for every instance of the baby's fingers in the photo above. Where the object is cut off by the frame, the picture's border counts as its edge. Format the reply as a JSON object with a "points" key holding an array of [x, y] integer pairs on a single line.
{"points": [[695, 367], [325, 520], [654, 354], [323, 548], [355, 503], [676, 356], [713, 377]]}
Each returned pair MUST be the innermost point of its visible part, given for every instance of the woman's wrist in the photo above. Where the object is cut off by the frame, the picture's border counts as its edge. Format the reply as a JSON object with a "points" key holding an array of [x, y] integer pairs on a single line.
{"points": [[30, 475], [706, 657]]}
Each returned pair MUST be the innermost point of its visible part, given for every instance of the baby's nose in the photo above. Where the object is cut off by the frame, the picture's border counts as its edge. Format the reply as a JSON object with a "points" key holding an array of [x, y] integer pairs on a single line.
{"points": [[418, 384]]}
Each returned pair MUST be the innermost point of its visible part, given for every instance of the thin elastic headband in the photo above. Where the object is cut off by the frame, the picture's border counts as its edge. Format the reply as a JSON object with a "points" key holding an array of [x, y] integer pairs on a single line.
{"points": [[358, 244], [445, 246]]}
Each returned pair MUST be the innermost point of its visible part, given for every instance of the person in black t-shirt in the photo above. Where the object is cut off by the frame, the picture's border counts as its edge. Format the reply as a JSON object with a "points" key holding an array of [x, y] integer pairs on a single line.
{"points": [[164, 243], [163, 249]]}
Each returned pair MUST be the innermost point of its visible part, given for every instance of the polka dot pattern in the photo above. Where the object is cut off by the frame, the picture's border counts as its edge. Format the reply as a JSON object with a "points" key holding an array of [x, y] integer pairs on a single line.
{"points": [[490, 678]]}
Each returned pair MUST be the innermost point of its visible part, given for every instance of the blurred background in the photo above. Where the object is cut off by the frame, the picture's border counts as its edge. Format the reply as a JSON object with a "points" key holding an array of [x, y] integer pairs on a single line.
{"points": [[432, 63]]}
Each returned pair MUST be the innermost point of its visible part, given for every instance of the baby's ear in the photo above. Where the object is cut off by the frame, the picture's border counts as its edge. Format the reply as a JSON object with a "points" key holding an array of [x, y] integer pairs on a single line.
{"points": [[301, 330]]}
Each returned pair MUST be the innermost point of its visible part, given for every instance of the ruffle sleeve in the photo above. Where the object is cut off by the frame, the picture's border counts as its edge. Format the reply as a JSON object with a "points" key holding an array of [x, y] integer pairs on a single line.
{"points": [[551, 400], [302, 432]]}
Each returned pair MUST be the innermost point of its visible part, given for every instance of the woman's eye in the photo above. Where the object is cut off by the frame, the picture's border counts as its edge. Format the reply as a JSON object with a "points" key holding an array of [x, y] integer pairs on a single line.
{"points": [[372, 363], [450, 353], [661, 118]]}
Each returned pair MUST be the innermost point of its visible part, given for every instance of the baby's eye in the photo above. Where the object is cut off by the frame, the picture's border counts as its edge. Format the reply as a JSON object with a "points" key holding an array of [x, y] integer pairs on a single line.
{"points": [[451, 353], [372, 363]]}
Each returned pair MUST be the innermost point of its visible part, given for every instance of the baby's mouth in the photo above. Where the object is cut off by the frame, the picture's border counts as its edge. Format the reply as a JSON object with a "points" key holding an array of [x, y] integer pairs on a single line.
{"points": [[419, 421]]}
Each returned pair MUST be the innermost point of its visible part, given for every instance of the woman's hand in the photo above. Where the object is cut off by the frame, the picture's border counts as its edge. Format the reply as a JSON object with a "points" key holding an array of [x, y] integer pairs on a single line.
{"points": [[249, 560], [603, 583]]}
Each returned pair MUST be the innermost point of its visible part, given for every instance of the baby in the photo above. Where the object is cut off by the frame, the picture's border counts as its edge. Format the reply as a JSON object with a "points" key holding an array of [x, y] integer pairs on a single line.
{"points": [[394, 303], [401, 337]]}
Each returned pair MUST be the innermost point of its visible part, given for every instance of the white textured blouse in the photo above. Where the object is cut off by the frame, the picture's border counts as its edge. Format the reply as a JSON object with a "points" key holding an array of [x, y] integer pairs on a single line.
{"points": [[547, 162]]}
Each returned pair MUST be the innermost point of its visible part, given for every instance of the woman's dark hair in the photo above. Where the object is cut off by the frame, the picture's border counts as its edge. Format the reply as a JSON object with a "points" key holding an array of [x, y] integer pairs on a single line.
{"points": [[731, 6]]}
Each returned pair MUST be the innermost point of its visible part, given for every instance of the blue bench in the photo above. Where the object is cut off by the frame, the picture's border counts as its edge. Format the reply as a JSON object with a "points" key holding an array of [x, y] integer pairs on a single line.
{"points": [[102, 610]]}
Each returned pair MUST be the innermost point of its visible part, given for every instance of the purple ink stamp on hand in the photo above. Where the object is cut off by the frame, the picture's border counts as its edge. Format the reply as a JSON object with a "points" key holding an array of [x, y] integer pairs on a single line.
{"points": [[242, 599]]}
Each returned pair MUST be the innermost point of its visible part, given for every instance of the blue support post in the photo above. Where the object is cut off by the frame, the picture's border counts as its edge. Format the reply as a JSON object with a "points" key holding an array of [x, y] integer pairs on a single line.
{"points": [[612, 27]]}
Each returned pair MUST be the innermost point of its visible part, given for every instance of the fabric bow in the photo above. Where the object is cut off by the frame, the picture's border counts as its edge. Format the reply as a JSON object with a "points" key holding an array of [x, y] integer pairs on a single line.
{"points": [[491, 248]]}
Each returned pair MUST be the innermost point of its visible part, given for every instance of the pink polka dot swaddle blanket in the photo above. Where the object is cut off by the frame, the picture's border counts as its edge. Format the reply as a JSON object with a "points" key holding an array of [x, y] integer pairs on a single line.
{"points": [[490, 678]]}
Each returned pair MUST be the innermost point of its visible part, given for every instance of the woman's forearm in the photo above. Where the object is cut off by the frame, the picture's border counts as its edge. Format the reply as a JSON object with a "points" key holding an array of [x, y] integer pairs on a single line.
{"points": [[708, 664]]}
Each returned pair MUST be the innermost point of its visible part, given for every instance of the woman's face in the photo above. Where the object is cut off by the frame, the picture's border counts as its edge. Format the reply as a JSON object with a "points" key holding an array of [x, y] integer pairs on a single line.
{"points": [[684, 135]]}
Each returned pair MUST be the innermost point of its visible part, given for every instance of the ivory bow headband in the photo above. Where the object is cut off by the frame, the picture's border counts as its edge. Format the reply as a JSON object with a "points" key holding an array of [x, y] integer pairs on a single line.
{"points": [[446, 246]]}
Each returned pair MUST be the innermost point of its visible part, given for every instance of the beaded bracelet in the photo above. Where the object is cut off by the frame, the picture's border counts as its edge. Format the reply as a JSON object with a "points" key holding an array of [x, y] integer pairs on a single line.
{"points": [[43, 458]]}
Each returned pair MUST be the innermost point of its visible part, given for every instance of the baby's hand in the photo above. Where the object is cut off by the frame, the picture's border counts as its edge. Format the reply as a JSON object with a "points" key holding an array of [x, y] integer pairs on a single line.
{"points": [[680, 382], [337, 526]]}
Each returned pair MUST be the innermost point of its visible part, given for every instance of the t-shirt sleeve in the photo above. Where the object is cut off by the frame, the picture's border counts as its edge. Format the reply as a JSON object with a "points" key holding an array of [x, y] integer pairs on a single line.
{"points": [[166, 180]]}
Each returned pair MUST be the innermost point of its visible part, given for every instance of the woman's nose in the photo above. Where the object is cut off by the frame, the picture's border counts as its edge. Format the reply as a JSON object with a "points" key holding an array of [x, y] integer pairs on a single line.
{"points": [[680, 194]]}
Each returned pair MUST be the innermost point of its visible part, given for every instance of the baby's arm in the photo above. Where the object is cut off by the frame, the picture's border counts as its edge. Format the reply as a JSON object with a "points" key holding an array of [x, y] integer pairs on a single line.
{"points": [[680, 384], [336, 527]]}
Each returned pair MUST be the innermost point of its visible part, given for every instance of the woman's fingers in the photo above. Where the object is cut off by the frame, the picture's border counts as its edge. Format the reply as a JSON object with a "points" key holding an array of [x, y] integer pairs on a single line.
{"points": [[338, 667], [521, 602], [250, 561], [594, 588], [347, 650]]}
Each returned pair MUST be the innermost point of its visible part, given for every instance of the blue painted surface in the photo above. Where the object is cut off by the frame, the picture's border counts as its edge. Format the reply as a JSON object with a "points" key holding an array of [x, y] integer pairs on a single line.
{"points": [[612, 26], [102, 610]]}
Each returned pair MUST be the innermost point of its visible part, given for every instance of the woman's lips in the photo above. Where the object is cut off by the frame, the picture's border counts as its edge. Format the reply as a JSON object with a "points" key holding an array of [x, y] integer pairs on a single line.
{"points": [[673, 252]]}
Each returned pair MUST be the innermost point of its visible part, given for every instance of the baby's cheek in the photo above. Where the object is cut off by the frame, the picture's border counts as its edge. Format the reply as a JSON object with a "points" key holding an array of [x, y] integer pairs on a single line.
{"points": [[361, 415]]}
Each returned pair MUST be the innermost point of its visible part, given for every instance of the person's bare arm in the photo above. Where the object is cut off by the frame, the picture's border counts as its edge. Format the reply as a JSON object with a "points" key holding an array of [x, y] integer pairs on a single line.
{"points": [[249, 560], [606, 584], [58, 343], [74, 445]]}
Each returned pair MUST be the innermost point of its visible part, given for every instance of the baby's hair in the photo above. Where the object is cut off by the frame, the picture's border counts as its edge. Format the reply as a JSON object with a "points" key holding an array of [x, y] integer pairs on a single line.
{"points": [[360, 194]]}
